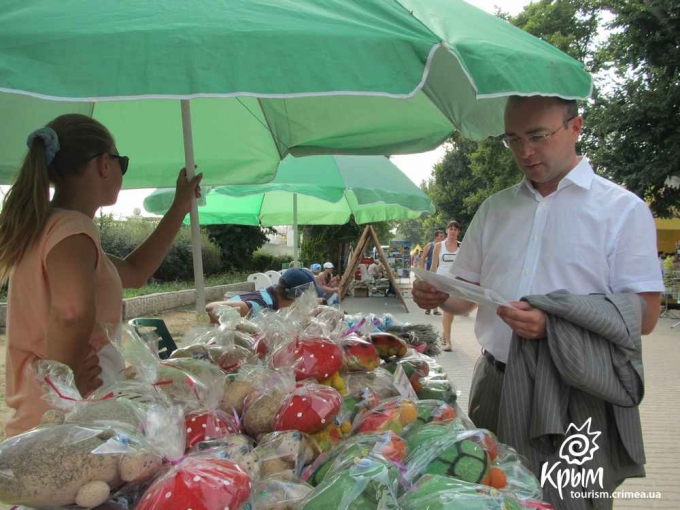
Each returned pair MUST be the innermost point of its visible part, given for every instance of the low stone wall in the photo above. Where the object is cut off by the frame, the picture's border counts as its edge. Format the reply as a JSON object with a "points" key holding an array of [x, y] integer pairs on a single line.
{"points": [[153, 304]]}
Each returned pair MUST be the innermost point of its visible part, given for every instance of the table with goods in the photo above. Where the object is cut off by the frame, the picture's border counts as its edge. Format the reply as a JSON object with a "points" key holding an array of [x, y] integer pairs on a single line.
{"points": [[302, 408]]}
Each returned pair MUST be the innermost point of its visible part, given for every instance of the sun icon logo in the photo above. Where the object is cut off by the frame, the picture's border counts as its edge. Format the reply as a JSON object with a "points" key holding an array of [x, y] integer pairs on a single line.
{"points": [[580, 446]]}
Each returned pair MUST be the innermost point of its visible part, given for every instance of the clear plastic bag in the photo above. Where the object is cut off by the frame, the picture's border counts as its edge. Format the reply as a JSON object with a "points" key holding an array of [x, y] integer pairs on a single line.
{"points": [[419, 437], [270, 388], [239, 449], [436, 492], [521, 481], [70, 464], [274, 494], [116, 406], [386, 445], [379, 380], [309, 408], [359, 355], [394, 414], [316, 358], [388, 345], [325, 321], [200, 481], [368, 482], [285, 454], [467, 455]]}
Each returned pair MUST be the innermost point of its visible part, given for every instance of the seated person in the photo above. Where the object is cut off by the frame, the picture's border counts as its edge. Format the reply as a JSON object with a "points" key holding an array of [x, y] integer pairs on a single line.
{"points": [[375, 271], [328, 283], [292, 283], [316, 269]]}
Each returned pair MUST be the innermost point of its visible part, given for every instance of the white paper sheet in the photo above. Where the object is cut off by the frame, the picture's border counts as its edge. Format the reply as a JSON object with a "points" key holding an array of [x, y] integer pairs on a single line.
{"points": [[461, 289]]}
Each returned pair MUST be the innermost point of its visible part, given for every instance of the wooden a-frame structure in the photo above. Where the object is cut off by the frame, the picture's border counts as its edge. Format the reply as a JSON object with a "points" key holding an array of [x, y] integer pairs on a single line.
{"points": [[368, 235]]}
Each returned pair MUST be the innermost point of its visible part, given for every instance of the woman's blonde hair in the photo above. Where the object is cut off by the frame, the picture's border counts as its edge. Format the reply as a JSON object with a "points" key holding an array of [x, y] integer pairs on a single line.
{"points": [[26, 205]]}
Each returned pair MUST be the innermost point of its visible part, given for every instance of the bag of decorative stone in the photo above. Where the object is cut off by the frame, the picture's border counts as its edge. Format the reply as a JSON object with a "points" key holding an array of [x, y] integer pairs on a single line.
{"points": [[200, 481], [436, 492], [385, 445], [467, 455], [276, 494], [358, 484]]}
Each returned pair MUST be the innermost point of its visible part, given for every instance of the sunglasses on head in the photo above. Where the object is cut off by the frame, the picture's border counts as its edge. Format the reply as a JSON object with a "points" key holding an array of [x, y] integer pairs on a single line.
{"points": [[123, 160]]}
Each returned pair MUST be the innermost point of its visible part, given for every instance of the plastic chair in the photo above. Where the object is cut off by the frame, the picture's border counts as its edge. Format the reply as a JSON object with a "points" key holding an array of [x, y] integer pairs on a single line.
{"points": [[261, 280], [274, 276], [166, 345]]}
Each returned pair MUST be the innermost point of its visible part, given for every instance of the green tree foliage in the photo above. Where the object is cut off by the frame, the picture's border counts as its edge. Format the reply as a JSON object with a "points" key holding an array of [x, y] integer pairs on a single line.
{"points": [[633, 128], [237, 243], [120, 238], [569, 25], [323, 243], [470, 172]]}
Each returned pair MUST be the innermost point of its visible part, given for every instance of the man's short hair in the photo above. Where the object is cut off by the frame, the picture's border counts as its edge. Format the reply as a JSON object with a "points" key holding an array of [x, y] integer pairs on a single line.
{"points": [[453, 223], [570, 105], [439, 232]]}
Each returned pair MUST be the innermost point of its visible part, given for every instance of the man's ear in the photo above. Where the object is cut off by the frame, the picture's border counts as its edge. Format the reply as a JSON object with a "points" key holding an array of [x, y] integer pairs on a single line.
{"points": [[576, 126]]}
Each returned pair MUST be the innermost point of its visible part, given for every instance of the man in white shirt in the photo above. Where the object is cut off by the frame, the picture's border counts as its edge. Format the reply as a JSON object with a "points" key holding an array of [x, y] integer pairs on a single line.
{"points": [[561, 227]]}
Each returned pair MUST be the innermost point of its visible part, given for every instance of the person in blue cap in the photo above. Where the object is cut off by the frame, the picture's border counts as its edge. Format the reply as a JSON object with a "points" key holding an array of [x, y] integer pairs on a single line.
{"points": [[292, 284]]}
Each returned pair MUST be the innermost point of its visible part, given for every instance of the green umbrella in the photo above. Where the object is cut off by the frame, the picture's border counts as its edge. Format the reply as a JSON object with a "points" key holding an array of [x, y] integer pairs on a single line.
{"points": [[265, 79], [318, 190]]}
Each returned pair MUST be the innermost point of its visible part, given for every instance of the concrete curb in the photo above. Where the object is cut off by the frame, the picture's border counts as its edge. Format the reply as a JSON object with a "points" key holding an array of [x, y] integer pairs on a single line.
{"points": [[153, 304]]}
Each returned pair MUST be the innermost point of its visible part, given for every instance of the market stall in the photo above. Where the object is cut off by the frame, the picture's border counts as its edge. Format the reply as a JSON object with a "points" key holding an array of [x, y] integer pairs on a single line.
{"points": [[302, 408]]}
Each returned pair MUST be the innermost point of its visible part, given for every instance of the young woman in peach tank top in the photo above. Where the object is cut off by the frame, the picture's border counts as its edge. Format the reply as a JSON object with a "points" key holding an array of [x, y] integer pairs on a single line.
{"points": [[62, 286]]}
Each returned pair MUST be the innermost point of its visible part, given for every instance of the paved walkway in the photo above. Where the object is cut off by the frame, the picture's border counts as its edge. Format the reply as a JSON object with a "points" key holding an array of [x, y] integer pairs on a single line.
{"points": [[660, 409]]}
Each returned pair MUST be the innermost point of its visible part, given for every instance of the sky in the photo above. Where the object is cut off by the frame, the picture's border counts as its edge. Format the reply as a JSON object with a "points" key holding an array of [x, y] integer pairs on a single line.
{"points": [[418, 167]]}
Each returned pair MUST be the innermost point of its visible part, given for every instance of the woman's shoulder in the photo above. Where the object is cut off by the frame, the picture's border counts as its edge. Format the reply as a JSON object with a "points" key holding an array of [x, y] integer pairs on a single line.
{"points": [[63, 223]]}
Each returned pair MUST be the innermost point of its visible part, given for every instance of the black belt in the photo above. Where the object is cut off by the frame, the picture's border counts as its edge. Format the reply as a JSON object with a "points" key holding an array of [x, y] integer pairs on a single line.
{"points": [[498, 365]]}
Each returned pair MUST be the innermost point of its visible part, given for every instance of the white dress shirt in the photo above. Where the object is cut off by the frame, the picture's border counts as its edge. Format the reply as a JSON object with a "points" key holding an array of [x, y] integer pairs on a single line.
{"points": [[589, 236]]}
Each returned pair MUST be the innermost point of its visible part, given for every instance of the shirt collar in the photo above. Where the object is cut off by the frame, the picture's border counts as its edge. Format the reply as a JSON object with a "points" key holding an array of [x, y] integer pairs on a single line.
{"points": [[581, 175]]}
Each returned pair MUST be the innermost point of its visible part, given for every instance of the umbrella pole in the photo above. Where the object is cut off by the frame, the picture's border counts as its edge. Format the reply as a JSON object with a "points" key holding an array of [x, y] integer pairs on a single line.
{"points": [[295, 231], [195, 229]]}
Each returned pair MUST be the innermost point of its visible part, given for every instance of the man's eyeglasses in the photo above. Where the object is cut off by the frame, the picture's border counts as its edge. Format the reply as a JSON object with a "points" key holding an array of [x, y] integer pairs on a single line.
{"points": [[123, 160], [535, 140]]}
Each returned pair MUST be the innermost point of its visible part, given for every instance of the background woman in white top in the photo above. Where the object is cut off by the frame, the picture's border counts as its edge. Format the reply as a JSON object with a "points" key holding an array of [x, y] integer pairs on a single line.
{"points": [[444, 255]]}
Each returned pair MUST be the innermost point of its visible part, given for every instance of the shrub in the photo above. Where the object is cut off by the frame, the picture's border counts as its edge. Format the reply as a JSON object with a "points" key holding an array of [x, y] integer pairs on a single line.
{"points": [[120, 238], [262, 262]]}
